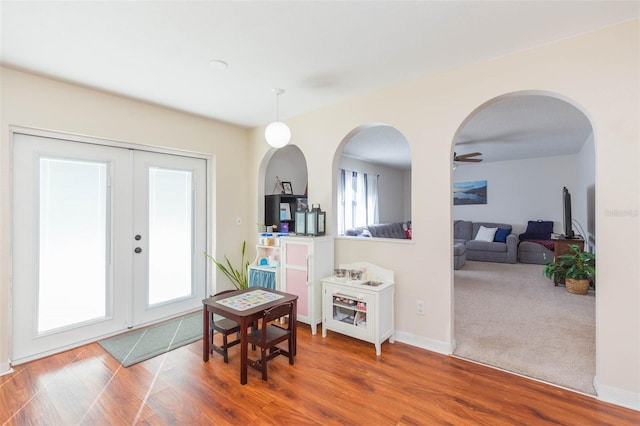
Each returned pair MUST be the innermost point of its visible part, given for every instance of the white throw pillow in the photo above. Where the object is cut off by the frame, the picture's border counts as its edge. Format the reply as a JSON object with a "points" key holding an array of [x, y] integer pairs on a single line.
{"points": [[486, 234]]}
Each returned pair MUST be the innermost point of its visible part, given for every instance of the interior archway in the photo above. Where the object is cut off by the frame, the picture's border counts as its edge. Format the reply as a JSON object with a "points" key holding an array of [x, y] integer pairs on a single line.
{"points": [[381, 151], [287, 164], [556, 136]]}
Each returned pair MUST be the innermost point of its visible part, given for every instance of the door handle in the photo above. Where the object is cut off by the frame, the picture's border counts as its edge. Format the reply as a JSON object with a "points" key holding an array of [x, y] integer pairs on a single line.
{"points": [[137, 250]]}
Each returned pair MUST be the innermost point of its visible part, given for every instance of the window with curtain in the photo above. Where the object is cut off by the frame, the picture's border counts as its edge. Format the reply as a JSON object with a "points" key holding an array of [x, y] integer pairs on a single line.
{"points": [[358, 198]]}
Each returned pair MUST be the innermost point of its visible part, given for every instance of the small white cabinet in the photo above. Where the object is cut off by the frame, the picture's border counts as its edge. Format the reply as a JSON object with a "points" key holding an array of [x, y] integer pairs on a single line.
{"points": [[264, 271], [304, 261], [362, 309]]}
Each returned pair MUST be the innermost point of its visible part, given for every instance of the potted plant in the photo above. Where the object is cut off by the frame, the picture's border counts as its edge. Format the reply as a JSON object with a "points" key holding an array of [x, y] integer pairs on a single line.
{"points": [[238, 277], [576, 268]]}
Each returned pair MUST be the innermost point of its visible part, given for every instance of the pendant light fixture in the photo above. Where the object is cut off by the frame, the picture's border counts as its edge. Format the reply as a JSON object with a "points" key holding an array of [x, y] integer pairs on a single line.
{"points": [[277, 133]]}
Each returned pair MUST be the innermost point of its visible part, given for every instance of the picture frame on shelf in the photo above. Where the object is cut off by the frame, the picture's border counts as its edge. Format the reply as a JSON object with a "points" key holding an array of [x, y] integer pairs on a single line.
{"points": [[287, 188], [285, 211]]}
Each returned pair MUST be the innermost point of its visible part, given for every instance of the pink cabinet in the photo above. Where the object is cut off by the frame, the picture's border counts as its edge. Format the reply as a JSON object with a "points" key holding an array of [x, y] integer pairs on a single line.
{"points": [[304, 262]]}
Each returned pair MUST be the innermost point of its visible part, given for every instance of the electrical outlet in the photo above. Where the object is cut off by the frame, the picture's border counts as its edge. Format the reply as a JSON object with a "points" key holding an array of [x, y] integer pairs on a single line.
{"points": [[420, 307]]}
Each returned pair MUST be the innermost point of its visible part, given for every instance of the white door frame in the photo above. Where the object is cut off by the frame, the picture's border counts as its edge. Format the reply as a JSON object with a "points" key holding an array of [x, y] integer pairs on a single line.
{"points": [[210, 205]]}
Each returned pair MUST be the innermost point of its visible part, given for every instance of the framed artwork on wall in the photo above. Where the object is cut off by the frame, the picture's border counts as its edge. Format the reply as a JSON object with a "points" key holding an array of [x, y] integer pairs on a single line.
{"points": [[473, 192]]}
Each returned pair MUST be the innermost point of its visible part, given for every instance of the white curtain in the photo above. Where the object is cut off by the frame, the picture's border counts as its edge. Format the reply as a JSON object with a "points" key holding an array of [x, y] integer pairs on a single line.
{"points": [[358, 198], [372, 198]]}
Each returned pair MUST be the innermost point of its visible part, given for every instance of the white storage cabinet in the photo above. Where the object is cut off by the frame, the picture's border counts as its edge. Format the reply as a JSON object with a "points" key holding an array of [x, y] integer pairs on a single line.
{"points": [[359, 310]]}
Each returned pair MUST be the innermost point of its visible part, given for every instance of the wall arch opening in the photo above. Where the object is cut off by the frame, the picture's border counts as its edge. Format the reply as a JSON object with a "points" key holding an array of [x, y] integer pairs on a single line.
{"points": [[372, 154], [533, 144]]}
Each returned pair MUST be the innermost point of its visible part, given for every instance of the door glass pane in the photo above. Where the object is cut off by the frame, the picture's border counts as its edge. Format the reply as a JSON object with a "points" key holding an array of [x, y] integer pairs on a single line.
{"points": [[72, 284], [170, 234]]}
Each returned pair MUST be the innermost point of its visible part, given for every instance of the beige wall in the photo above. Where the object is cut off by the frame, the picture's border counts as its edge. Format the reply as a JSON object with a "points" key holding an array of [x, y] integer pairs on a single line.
{"points": [[598, 73], [36, 102]]}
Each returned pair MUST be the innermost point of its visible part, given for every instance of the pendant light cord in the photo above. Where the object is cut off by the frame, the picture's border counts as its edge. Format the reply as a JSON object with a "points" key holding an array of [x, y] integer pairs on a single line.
{"points": [[278, 92]]}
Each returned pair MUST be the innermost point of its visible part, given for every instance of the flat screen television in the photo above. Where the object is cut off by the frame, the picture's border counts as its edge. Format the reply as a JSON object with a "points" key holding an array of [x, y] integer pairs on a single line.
{"points": [[566, 206]]}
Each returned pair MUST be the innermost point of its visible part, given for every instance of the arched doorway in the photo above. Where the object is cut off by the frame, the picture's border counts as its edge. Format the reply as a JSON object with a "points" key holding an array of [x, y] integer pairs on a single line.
{"points": [[532, 145]]}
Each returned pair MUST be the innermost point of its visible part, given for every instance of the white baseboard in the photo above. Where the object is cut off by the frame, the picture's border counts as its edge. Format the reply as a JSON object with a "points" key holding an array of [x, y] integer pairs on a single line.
{"points": [[438, 346], [617, 396], [5, 368]]}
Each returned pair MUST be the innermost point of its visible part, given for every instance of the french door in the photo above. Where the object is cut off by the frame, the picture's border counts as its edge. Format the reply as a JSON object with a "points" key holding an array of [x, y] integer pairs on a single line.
{"points": [[104, 238]]}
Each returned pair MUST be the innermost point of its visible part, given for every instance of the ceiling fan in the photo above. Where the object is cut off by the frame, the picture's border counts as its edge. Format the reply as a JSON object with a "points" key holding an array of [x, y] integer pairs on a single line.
{"points": [[467, 158]]}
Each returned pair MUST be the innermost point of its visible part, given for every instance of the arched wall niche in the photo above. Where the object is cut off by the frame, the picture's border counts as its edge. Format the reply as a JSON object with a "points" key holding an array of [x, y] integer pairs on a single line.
{"points": [[288, 164], [380, 149]]}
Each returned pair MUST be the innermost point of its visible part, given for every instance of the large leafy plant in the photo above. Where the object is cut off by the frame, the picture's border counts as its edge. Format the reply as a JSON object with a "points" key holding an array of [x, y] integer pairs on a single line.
{"points": [[577, 265], [238, 277]]}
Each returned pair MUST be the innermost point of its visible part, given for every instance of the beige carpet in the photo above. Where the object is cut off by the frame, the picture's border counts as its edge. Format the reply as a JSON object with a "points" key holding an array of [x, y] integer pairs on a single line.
{"points": [[511, 317]]}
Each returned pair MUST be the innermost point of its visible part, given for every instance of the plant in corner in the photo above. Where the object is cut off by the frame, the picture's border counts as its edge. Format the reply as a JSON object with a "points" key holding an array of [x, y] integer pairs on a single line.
{"points": [[576, 268], [238, 277]]}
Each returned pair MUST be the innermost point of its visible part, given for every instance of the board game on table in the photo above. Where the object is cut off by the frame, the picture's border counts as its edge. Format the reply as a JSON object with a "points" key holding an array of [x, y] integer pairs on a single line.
{"points": [[251, 299]]}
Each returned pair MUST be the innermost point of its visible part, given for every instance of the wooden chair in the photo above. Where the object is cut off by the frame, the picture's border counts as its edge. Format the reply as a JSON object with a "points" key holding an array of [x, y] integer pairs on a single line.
{"points": [[271, 334], [225, 327]]}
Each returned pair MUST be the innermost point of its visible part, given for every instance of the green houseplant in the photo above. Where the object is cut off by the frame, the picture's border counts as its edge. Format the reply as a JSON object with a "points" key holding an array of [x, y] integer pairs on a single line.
{"points": [[576, 268], [238, 277]]}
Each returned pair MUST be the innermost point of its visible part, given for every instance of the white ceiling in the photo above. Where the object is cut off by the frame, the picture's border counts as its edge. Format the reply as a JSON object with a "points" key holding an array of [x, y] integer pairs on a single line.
{"points": [[319, 52]]}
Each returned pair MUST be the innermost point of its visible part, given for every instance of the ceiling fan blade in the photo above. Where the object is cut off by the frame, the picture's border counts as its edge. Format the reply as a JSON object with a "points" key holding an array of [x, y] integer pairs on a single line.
{"points": [[472, 154], [467, 158]]}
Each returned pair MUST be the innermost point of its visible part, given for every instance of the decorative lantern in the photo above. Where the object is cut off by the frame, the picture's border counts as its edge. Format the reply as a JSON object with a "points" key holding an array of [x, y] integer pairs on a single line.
{"points": [[301, 225], [316, 221], [312, 222], [322, 222]]}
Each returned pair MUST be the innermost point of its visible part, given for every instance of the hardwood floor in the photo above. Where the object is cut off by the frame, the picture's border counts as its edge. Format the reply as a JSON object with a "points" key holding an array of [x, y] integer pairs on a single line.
{"points": [[336, 380]]}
